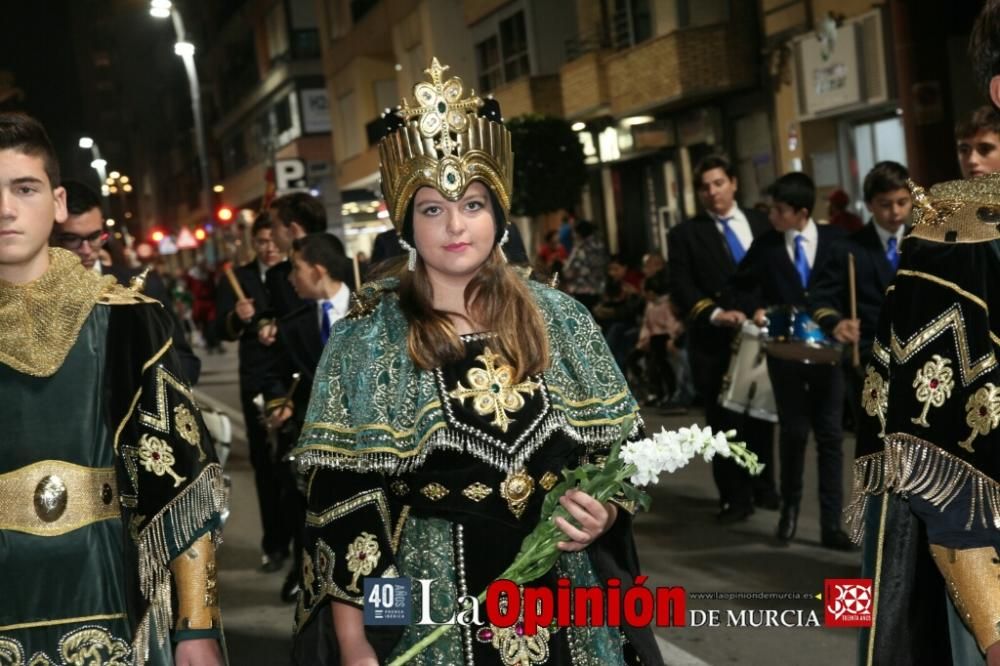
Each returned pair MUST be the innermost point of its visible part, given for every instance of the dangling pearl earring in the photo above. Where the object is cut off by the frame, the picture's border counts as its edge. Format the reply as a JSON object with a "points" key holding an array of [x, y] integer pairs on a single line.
{"points": [[411, 260], [503, 241]]}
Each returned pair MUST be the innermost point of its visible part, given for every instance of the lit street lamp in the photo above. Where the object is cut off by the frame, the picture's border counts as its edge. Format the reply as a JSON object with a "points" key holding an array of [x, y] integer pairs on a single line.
{"points": [[163, 9], [97, 162]]}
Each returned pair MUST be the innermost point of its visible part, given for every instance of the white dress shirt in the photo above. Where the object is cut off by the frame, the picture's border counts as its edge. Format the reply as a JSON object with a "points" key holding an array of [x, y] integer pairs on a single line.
{"points": [[884, 236], [811, 235], [738, 223], [341, 302], [741, 227]]}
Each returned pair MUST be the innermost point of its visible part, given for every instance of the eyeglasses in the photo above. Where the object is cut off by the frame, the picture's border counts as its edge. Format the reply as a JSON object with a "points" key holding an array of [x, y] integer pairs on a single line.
{"points": [[73, 241]]}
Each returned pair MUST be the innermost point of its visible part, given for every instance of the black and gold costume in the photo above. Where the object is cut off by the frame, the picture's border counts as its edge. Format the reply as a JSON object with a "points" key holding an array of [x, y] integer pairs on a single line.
{"points": [[927, 474], [441, 475], [109, 485]]}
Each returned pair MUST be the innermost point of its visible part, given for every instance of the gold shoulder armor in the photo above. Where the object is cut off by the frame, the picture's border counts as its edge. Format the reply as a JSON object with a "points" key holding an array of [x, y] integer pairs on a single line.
{"points": [[958, 211], [367, 298], [116, 294]]}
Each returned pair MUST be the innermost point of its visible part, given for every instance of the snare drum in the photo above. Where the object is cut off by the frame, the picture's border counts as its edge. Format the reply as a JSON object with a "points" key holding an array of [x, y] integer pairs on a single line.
{"points": [[792, 335], [746, 388]]}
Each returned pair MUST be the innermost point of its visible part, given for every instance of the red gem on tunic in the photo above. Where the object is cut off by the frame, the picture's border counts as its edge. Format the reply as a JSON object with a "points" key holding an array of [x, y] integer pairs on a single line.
{"points": [[982, 411], [519, 629], [485, 634], [934, 383], [361, 556], [156, 456]]}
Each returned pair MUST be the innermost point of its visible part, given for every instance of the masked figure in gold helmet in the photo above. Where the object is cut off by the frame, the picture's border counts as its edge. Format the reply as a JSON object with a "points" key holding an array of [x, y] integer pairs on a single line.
{"points": [[446, 405]]}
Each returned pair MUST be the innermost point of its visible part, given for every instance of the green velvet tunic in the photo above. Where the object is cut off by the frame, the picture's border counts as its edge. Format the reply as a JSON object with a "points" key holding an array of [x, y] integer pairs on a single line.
{"points": [[65, 593]]}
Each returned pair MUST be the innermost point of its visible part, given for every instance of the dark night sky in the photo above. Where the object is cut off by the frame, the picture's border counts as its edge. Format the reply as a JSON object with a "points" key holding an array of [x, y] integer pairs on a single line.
{"points": [[36, 47]]}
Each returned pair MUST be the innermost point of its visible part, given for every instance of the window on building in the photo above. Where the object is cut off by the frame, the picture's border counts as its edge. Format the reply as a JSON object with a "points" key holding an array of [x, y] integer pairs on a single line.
{"points": [[277, 33], [349, 134], [386, 95], [695, 13], [361, 7], [514, 47], [631, 22], [488, 63], [283, 115], [503, 57]]}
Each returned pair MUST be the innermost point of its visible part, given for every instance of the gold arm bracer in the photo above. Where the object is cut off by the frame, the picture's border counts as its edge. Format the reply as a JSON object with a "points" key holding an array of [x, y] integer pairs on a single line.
{"points": [[973, 578], [195, 579]]}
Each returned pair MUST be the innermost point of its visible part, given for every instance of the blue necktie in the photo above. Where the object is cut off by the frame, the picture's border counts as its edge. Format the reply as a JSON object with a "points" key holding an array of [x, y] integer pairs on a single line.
{"points": [[324, 327], [892, 254], [732, 240], [801, 260]]}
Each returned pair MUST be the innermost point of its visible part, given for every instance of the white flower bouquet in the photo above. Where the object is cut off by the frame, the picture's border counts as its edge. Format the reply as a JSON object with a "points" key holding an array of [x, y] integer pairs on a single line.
{"points": [[629, 466]]}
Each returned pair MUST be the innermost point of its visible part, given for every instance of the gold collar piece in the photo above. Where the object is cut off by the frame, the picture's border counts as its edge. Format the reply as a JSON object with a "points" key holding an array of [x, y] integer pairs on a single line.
{"points": [[41, 320]]}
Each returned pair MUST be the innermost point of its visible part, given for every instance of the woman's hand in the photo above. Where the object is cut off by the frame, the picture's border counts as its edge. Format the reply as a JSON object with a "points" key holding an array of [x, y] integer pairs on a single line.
{"points": [[594, 519]]}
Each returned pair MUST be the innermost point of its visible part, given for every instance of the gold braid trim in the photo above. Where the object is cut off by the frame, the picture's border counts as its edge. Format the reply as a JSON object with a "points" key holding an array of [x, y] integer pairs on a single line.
{"points": [[972, 575], [187, 514], [700, 307], [913, 466]]}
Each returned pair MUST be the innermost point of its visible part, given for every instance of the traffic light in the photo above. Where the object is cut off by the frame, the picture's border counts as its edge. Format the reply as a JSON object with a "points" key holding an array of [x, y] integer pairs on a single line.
{"points": [[199, 234], [156, 236], [224, 214]]}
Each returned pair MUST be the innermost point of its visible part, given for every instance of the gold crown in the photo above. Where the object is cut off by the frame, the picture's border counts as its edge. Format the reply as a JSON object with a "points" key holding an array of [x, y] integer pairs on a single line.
{"points": [[443, 144], [958, 211]]}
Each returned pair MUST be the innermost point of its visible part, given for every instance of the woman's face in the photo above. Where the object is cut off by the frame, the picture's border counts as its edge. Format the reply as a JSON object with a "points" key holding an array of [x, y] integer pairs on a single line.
{"points": [[453, 238]]}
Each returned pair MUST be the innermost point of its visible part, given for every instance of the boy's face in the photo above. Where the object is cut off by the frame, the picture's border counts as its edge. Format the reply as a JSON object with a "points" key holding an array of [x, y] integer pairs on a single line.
{"points": [[28, 207], [979, 154], [891, 210], [784, 217], [305, 278], [717, 191]]}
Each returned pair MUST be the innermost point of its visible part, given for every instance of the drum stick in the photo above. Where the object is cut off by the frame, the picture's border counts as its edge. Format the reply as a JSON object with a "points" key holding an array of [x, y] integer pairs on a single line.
{"points": [[235, 284], [357, 272], [855, 351]]}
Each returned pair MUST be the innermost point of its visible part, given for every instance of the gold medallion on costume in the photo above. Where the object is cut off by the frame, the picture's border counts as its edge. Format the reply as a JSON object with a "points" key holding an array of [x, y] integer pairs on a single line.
{"points": [[517, 489], [493, 390]]}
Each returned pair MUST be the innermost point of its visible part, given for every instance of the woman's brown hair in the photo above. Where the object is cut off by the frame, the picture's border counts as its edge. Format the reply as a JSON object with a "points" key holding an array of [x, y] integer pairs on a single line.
{"points": [[496, 299]]}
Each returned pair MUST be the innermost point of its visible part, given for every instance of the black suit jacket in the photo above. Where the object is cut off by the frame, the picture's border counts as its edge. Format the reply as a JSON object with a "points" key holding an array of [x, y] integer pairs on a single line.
{"points": [[829, 298], [155, 288], [254, 357], [280, 292], [700, 264], [297, 349], [767, 277]]}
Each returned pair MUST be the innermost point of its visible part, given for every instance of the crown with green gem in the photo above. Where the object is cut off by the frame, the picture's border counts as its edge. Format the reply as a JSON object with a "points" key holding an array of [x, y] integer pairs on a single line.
{"points": [[444, 143]]}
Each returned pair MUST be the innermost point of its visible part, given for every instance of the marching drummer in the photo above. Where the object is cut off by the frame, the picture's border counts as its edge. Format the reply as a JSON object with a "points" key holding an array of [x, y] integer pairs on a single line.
{"points": [[876, 255], [704, 251], [776, 272]]}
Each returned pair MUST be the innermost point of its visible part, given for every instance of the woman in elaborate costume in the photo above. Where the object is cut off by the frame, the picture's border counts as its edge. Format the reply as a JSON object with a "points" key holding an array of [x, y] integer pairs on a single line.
{"points": [[446, 405]]}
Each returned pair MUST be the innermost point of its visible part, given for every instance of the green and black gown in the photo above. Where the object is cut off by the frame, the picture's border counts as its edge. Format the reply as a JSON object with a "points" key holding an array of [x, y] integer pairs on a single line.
{"points": [[106, 473], [440, 475]]}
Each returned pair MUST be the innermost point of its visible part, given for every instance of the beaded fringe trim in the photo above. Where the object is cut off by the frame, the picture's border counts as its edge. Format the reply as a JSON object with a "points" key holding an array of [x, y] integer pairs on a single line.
{"points": [[186, 514], [389, 463], [913, 466]]}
